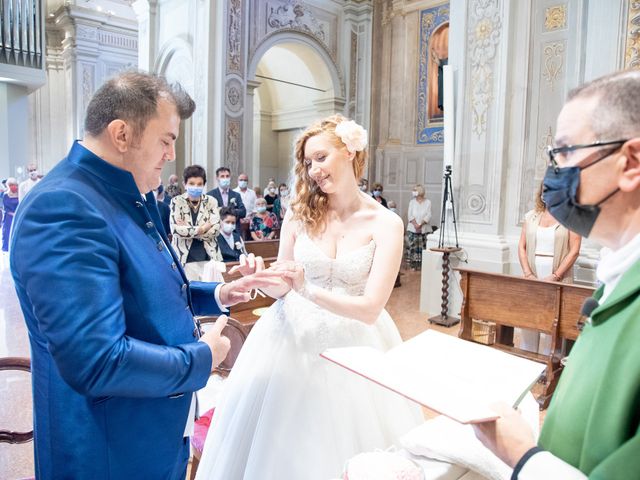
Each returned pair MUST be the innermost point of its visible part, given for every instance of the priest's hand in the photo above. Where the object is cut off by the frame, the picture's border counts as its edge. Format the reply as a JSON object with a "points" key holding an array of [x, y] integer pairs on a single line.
{"points": [[509, 437]]}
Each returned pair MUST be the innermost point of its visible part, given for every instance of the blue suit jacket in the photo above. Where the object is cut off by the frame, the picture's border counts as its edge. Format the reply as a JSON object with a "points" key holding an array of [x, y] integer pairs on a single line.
{"points": [[110, 314], [235, 202], [229, 254]]}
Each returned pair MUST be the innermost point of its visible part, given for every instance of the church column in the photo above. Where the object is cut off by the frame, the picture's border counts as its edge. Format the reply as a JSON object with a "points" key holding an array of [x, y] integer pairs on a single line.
{"points": [[146, 11], [514, 63], [357, 49]]}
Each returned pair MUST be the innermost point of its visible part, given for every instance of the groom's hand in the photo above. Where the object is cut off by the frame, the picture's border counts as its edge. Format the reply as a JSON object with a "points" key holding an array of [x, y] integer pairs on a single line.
{"points": [[219, 344], [239, 290]]}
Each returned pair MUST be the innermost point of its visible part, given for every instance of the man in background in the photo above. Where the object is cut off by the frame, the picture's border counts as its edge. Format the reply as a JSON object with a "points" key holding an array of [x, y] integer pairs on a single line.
{"points": [[29, 183]]}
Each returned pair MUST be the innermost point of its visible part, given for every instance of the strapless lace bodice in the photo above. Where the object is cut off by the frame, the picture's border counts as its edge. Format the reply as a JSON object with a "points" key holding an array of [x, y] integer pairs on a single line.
{"points": [[347, 273]]}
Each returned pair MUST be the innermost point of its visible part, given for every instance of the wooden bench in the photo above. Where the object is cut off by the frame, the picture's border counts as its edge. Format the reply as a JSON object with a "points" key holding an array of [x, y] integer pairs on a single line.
{"points": [[546, 307], [263, 248], [243, 312]]}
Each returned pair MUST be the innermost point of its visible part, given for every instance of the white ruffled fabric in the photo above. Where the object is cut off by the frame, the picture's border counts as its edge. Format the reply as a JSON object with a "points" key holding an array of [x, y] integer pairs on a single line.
{"points": [[449, 441], [286, 413]]}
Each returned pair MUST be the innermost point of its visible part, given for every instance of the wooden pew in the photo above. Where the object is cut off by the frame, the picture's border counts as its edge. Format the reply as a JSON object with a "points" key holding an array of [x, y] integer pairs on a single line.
{"points": [[243, 312], [264, 248], [547, 307]]}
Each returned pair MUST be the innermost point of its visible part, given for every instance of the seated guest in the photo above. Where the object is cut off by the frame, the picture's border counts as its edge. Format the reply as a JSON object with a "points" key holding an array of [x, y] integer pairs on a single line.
{"points": [[377, 194], [592, 187], [363, 185], [195, 224], [263, 224], [271, 195], [229, 241]]}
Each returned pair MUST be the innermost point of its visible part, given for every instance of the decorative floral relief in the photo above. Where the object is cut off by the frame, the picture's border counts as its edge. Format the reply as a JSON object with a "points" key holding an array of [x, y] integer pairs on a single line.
{"points": [[553, 60], [484, 36], [297, 16], [232, 149], [632, 47], [555, 18], [234, 58]]}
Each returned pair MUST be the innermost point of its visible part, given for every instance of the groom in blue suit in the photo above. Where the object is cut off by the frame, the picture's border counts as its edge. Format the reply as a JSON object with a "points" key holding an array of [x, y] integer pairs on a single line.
{"points": [[116, 350]]}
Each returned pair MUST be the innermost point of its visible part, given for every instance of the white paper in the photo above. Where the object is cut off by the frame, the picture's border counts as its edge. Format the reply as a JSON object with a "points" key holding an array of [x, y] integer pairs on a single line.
{"points": [[457, 378]]}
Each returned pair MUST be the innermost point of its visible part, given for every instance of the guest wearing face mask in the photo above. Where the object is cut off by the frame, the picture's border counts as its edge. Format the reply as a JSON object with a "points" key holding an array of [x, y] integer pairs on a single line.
{"points": [[248, 195], [195, 224], [226, 197], [281, 204], [271, 195], [363, 185], [377, 194], [264, 224], [419, 215], [393, 207], [9, 205], [173, 189], [29, 183], [230, 242]]}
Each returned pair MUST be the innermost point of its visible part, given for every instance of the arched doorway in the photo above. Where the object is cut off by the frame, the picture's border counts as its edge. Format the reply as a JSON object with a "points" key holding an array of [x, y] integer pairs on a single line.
{"points": [[295, 83]]}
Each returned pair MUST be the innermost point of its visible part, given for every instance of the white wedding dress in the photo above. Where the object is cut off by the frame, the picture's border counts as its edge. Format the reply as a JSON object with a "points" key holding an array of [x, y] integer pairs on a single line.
{"points": [[288, 414]]}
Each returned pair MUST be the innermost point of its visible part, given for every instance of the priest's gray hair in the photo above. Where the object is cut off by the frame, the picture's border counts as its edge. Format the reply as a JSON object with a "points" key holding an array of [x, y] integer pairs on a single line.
{"points": [[617, 112]]}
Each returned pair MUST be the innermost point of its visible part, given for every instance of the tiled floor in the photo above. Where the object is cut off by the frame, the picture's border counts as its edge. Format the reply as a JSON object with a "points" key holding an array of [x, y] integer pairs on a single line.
{"points": [[16, 461]]}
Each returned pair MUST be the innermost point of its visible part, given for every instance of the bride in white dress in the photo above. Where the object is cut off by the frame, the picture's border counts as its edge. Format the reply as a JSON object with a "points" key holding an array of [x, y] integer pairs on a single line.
{"points": [[286, 413]]}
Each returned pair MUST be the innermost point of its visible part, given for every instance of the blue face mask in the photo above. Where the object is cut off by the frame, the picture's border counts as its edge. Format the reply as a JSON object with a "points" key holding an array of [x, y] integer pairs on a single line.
{"points": [[224, 182], [261, 209], [242, 183], [194, 192], [377, 193], [559, 194]]}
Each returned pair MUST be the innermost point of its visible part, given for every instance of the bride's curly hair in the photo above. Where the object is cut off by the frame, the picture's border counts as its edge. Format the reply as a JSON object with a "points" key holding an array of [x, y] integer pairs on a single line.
{"points": [[311, 204]]}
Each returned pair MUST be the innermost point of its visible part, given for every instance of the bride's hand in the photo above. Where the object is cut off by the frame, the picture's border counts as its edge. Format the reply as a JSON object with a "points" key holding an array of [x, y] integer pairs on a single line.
{"points": [[248, 265], [292, 272]]}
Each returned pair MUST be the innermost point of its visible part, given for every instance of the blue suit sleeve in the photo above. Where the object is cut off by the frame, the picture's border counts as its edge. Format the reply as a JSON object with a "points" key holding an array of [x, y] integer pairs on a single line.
{"points": [[66, 261], [241, 211], [203, 298]]}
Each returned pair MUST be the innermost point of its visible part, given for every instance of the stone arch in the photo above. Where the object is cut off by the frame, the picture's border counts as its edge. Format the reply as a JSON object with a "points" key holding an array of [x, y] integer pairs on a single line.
{"points": [[302, 38]]}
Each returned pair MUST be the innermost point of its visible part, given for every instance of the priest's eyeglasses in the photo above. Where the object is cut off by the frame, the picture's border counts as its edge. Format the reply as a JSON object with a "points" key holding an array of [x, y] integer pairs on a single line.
{"points": [[554, 151]]}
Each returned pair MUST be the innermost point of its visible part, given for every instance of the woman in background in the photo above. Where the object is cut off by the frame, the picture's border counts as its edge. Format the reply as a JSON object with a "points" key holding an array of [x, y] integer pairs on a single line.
{"points": [[419, 216], [271, 195], [547, 251], [195, 224], [9, 205], [377, 194], [264, 224], [281, 204]]}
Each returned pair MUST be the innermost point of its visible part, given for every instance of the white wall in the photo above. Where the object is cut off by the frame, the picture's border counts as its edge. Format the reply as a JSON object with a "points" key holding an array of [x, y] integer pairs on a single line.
{"points": [[14, 130]]}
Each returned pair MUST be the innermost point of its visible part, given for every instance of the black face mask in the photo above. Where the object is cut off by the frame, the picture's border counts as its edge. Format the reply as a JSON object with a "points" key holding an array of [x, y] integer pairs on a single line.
{"points": [[560, 189]]}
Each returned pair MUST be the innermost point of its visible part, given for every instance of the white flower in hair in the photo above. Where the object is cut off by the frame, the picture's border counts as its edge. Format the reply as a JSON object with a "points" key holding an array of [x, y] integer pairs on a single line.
{"points": [[352, 135]]}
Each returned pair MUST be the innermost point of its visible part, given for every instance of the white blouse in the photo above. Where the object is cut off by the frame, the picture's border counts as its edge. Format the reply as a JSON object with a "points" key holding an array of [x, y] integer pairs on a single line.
{"points": [[420, 212]]}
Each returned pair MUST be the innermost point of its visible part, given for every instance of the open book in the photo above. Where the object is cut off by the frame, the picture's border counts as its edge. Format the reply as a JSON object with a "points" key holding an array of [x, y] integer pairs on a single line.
{"points": [[454, 377]]}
